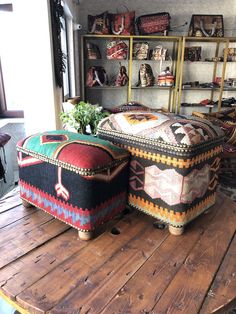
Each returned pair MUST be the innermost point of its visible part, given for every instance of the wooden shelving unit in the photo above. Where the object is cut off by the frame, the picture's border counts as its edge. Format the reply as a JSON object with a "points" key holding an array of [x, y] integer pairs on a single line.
{"points": [[101, 40], [177, 47], [225, 44]]}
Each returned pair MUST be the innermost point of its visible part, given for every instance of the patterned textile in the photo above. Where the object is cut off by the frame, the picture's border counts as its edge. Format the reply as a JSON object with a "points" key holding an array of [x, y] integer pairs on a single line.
{"points": [[174, 162], [79, 179], [130, 106], [162, 128], [62, 148]]}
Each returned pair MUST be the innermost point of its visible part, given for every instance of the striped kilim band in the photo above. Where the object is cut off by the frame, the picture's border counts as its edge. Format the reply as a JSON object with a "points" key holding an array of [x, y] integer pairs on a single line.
{"points": [[177, 219], [175, 162], [81, 218]]}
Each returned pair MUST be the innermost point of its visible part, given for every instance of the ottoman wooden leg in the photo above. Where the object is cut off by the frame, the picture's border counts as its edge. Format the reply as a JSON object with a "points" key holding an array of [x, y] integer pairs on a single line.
{"points": [[26, 204], [85, 236], [176, 231]]}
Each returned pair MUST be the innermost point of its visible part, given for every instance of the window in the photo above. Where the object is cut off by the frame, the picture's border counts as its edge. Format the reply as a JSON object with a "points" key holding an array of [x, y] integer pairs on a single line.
{"points": [[9, 87], [64, 46], [67, 43]]}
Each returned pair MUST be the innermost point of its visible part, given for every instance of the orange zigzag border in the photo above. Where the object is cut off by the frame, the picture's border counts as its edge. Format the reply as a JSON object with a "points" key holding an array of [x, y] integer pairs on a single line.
{"points": [[181, 163], [170, 216]]}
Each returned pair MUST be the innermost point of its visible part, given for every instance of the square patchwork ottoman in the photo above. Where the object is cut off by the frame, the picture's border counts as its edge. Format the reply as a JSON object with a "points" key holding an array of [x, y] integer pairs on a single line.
{"points": [[174, 163], [79, 179]]}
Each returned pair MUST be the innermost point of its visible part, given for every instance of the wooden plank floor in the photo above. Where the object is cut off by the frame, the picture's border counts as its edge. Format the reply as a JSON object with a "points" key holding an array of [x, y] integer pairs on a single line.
{"points": [[132, 267]]}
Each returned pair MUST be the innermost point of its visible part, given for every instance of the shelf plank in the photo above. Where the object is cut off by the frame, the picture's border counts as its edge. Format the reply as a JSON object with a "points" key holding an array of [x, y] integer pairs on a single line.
{"points": [[229, 89], [122, 60], [200, 88], [136, 37], [105, 60], [204, 61], [197, 105], [206, 39], [106, 87], [147, 60], [153, 87], [210, 88]]}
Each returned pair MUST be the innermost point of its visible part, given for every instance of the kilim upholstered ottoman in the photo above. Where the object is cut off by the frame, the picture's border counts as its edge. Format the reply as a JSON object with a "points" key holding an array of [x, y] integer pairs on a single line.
{"points": [[174, 163], [79, 179]]}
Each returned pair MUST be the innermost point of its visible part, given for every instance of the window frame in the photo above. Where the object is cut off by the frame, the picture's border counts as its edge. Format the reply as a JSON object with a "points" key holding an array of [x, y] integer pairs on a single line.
{"points": [[4, 112], [69, 32]]}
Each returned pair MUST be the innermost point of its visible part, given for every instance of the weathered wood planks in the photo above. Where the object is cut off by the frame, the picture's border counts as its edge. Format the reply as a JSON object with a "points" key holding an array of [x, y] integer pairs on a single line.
{"points": [[130, 268], [223, 289]]}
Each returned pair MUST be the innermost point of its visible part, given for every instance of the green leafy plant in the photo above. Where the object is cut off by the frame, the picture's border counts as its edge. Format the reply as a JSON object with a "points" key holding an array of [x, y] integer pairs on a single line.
{"points": [[83, 115]]}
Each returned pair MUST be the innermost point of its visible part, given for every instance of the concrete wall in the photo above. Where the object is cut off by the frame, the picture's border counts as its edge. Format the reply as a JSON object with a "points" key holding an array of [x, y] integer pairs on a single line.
{"points": [[180, 12]]}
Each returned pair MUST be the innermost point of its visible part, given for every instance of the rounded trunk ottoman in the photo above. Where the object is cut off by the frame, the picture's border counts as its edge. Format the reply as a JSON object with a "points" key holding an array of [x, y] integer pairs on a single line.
{"points": [[174, 163], [79, 179]]}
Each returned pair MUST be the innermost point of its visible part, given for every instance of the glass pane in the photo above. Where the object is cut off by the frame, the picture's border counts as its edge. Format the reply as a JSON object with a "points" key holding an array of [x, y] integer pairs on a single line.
{"points": [[66, 87]]}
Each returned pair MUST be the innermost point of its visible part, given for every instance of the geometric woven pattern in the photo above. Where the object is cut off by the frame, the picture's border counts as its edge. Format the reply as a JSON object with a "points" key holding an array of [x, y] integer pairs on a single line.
{"points": [[160, 127], [170, 216], [174, 162], [172, 187], [136, 178], [189, 133], [78, 179], [76, 152], [82, 219], [166, 184]]}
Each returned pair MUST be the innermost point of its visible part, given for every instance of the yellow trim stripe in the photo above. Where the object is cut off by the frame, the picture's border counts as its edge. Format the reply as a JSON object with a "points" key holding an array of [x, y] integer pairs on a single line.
{"points": [[181, 163], [12, 303], [170, 216]]}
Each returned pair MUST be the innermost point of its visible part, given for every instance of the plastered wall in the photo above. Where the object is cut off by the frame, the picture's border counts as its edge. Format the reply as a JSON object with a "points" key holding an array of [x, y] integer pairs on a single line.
{"points": [[180, 11]]}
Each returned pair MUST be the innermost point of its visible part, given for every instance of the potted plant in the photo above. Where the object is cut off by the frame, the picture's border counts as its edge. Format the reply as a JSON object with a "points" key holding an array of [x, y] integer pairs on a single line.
{"points": [[84, 117]]}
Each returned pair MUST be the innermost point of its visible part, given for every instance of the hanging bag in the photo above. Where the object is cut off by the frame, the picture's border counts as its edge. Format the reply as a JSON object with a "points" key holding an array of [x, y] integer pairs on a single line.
{"points": [[122, 77], [166, 77], [159, 53], [93, 51], [123, 23], [145, 76], [96, 76], [206, 26], [140, 51], [99, 24], [117, 49], [153, 23]]}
